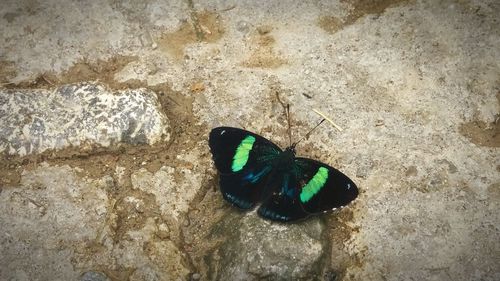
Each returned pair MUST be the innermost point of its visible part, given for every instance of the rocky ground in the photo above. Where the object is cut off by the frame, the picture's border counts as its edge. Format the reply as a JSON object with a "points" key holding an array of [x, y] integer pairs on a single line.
{"points": [[105, 109]]}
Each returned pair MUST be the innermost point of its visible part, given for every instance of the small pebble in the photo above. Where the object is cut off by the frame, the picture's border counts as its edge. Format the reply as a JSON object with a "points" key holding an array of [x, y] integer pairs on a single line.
{"points": [[242, 26], [263, 30], [94, 276]]}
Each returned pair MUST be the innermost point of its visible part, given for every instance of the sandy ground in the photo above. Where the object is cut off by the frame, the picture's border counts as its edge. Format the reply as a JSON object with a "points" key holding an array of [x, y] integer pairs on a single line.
{"points": [[106, 106]]}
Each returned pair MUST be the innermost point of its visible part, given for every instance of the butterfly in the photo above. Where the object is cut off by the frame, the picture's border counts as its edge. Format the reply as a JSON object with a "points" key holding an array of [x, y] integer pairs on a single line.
{"points": [[254, 170]]}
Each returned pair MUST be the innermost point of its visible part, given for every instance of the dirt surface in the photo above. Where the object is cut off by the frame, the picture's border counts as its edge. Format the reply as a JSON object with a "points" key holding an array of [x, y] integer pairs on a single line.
{"points": [[202, 27], [100, 70], [482, 133], [361, 8], [356, 9], [263, 55], [7, 72]]}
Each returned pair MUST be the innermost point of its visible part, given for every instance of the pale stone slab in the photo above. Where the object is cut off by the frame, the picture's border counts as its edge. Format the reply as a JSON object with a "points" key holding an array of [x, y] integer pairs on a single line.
{"points": [[33, 121]]}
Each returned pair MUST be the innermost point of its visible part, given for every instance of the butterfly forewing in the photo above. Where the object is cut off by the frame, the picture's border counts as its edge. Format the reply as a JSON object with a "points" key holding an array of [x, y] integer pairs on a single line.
{"points": [[226, 142], [321, 187], [244, 161]]}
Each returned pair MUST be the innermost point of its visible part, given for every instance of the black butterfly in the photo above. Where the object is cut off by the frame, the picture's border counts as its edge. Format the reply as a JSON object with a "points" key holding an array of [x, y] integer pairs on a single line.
{"points": [[253, 169]]}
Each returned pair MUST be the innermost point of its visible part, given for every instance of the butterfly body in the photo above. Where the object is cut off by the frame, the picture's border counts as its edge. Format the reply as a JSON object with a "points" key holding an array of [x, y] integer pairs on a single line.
{"points": [[254, 170], [285, 159]]}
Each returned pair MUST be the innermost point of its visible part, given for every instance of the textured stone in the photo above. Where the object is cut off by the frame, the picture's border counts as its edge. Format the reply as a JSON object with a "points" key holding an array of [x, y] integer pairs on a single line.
{"points": [[42, 221], [55, 219], [93, 276], [172, 197], [78, 115], [256, 248]]}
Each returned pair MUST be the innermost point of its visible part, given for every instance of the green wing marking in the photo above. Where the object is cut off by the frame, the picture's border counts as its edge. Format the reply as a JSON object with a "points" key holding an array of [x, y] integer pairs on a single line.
{"points": [[314, 185], [242, 151]]}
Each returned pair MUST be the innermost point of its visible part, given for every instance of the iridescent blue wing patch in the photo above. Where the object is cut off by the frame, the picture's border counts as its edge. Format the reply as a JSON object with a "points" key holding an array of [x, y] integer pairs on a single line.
{"points": [[283, 203]]}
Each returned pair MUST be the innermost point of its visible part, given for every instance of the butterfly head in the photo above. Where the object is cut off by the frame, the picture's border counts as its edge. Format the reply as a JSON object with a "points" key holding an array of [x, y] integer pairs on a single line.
{"points": [[291, 149]]}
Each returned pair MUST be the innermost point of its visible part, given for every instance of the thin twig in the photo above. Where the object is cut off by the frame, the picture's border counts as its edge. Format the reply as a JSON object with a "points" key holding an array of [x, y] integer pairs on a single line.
{"points": [[200, 35], [327, 119], [289, 123], [228, 8]]}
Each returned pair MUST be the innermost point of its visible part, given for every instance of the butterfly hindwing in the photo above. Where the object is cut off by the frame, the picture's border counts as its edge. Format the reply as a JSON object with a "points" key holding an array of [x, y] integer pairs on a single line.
{"points": [[244, 188], [282, 204], [244, 161], [321, 187], [306, 187]]}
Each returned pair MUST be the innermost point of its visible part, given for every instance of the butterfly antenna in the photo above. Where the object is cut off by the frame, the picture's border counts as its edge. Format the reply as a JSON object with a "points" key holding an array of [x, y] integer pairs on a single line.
{"points": [[309, 133], [289, 124]]}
